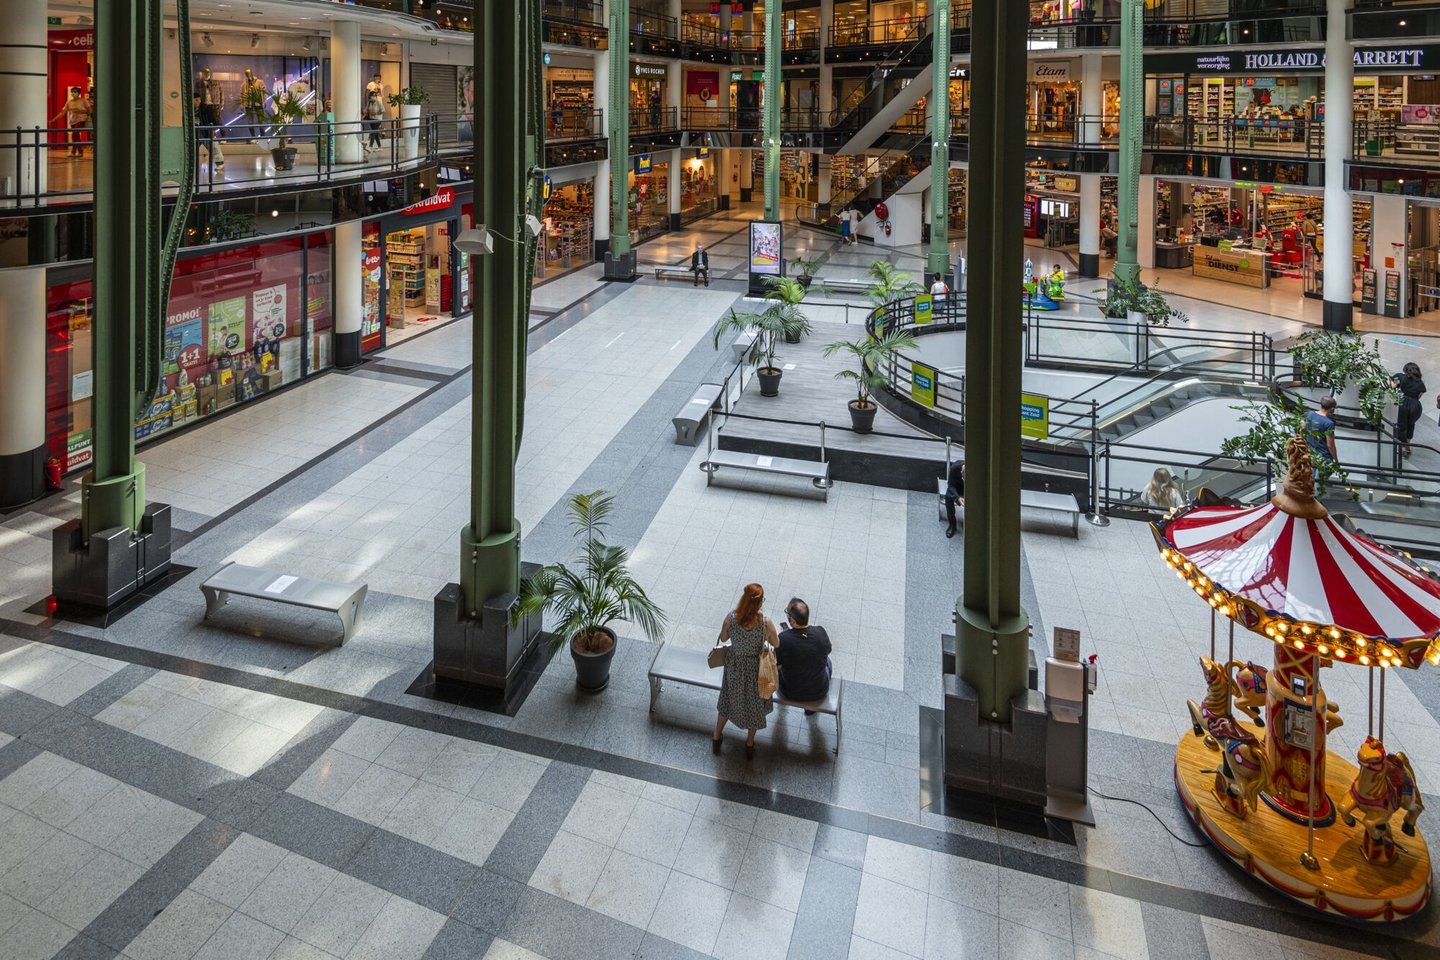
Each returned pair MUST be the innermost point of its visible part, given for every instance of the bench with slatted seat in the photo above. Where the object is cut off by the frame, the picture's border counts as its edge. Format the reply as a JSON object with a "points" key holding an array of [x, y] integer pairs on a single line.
{"points": [[816, 471], [701, 404], [1062, 503], [691, 667], [345, 600]]}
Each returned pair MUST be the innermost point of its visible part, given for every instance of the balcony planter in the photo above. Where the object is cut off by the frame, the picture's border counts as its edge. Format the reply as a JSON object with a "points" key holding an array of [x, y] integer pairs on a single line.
{"points": [[862, 415], [409, 101], [769, 381]]}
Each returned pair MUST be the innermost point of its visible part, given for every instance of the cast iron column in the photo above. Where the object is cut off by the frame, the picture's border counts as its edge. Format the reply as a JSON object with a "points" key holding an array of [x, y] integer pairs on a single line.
{"points": [[993, 628], [940, 144], [773, 41], [1132, 120], [620, 260], [1339, 263]]}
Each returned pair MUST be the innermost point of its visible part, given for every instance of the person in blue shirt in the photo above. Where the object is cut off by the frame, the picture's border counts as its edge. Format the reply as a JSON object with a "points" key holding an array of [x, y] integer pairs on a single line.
{"points": [[1320, 431]]}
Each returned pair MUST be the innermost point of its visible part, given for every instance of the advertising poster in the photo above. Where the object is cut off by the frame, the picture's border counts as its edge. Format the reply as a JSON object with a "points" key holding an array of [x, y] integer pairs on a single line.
{"points": [[922, 384], [370, 298], [765, 247], [924, 309], [267, 313], [1034, 416], [79, 449], [184, 340], [227, 326]]}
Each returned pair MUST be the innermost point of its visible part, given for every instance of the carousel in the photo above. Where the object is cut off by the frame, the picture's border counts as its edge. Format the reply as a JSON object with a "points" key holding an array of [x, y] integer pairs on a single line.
{"points": [[1255, 776]]}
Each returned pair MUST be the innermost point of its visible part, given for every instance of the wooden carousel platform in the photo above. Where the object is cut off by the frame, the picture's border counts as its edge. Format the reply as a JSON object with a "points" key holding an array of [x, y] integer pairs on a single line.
{"points": [[1267, 845]]}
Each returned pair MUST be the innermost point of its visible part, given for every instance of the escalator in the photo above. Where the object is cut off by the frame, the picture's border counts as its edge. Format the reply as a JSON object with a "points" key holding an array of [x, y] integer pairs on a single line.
{"points": [[892, 89], [897, 167]]}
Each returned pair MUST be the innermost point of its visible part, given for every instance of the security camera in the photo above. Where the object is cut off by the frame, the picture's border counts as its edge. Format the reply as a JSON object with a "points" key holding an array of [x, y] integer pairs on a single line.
{"points": [[476, 242]]}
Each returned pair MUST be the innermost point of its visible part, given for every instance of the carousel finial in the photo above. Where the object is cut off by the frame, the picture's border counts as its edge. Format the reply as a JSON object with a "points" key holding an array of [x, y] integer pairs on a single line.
{"points": [[1297, 496]]}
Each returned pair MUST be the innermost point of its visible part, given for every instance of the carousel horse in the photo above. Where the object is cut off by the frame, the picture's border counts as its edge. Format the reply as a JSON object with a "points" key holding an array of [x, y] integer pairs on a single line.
{"points": [[1244, 770], [1385, 784], [1248, 684]]}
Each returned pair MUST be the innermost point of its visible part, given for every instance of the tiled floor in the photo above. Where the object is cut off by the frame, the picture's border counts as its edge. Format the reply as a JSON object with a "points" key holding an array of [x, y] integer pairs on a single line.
{"points": [[174, 788]]}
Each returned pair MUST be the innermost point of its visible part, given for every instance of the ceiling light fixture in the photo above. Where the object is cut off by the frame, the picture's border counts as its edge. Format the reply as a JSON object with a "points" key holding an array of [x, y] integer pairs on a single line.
{"points": [[254, 40], [205, 39]]}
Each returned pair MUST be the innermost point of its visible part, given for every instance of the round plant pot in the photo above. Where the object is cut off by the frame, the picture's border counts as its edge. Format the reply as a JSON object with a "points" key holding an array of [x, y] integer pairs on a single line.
{"points": [[410, 126], [284, 158], [592, 670], [862, 418], [792, 337], [769, 381]]}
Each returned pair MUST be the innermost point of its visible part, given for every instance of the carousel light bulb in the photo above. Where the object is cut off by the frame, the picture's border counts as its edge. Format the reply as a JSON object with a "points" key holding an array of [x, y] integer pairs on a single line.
{"points": [[1282, 626], [1360, 642], [1339, 654], [1299, 644], [1365, 660], [1305, 629], [1334, 634], [1322, 649], [1270, 632]]}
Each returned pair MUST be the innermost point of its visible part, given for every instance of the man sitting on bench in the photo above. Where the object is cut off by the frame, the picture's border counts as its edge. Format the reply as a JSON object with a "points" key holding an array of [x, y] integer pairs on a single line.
{"points": [[803, 656], [700, 264], [954, 493]]}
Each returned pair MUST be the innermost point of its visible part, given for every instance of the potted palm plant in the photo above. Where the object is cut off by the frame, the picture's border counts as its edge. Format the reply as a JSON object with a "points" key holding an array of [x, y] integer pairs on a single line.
{"points": [[585, 600], [1133, 301], [284, 110], [887, 284], [869, 356], [776, 321], [790, 292], [409, 100], [1345, 366], [805, 268]]}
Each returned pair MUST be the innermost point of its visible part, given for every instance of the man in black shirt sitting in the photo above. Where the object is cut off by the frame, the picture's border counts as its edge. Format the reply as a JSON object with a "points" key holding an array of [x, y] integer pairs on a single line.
{"points": [[954, 493], [803, 656]]}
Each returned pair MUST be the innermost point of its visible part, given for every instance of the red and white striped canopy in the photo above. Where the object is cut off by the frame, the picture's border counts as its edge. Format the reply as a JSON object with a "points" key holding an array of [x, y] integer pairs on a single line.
{"points": [[1281, 575]]}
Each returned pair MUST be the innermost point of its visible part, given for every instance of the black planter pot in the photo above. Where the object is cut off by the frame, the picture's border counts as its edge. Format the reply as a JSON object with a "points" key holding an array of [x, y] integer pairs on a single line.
{"points": [[284, 158], [592, 670], [792, 337], [769, 381], [862, 419]]}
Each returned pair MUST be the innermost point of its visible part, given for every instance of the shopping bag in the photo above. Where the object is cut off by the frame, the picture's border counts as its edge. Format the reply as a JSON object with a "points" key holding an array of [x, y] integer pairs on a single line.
{"points": [[769, 678], [717, 657]]}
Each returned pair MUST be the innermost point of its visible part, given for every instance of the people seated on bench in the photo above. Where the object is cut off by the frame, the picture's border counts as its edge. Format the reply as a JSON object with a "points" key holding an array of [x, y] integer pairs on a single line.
{"points": [[700, 264], [803, 655], [954, 493], [747, 630]]}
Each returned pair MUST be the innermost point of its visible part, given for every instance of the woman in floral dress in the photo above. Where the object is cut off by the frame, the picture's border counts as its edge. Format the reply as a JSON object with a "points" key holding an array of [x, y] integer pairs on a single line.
{"points": [[747, 630]]}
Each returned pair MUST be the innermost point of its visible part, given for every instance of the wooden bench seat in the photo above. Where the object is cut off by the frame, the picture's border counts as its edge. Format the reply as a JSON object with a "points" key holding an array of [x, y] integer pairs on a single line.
{"points": [[691, 667]]}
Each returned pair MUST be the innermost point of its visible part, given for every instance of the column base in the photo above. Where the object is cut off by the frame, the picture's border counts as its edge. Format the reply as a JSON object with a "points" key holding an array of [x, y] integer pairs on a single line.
{"points": [[22, 477], [725, 201], [674, 221], [347, 350], [1089, 265], [601, 247], [620, 269], [114, 564], [745, 194], [1338, 317], [487, 655], [1001, 760]]}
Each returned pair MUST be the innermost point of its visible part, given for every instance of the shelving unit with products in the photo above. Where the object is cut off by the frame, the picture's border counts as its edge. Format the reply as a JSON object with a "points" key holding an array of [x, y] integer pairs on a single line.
{"points": [[568, 94], [955, 202], [405, 268]]}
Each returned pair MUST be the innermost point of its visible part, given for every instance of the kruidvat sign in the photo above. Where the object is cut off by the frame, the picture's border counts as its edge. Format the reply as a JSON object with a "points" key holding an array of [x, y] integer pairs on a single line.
{"points": [[1366, 59]]}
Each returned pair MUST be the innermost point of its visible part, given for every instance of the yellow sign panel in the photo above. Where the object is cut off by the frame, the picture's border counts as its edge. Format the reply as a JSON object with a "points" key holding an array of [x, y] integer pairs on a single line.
{"points": [[922, 384], [1034, 416], [924, 309]]}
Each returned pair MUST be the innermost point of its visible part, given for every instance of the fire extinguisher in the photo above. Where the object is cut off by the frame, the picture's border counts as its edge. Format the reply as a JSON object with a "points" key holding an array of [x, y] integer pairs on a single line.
{"points": [[52, 473], [882, 217]]}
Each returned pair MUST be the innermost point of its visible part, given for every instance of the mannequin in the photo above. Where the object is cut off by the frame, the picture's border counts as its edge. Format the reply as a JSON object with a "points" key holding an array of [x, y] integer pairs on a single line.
{"points": [[209, 98], [252, 97]]}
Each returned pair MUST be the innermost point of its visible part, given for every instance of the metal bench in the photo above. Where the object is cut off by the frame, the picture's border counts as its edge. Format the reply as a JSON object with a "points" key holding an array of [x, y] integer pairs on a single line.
{"points": [[742, 346], [816, 471], [687, 422], [847, 284], [690, 667], [675, 271], [346, 600], [1063, 503]]}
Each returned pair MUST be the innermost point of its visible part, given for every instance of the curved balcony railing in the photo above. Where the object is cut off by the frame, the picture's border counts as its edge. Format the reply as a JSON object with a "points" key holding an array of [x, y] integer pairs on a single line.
{"points": [[45, 166]]}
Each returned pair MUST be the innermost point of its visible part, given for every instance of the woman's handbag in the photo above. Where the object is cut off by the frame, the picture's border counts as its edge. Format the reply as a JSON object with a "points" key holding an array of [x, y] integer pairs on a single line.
{"points": [[769, 678], [717, 656]]}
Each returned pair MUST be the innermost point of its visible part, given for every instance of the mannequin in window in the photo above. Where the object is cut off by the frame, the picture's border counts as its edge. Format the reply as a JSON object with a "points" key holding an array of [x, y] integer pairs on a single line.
{"points": [[211, 98], [252, 99]]}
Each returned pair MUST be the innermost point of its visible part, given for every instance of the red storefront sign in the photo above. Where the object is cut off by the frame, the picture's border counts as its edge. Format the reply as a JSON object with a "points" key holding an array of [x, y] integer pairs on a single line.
{"points": [[443, 198], [72, 39]]}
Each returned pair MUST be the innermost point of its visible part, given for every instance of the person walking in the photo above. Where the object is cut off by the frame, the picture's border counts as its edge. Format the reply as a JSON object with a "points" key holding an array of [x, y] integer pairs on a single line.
{"points": [[374, 113], [77, 117], [1411, 388], [845, 225], [747, 630], [1320, 431]]}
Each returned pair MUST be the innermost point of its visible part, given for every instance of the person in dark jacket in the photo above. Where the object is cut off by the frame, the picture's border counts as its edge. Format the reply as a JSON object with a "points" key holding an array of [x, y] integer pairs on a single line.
{"points": [[954, 493], [803, 655], [1411, 388], [700, 265]]}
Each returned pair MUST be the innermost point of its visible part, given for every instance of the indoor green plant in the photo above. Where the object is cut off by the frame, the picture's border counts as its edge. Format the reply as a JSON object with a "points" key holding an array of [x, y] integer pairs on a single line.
{"points": [[411, 96], [585, 600], [1267, 439], [777, 320], [1344, 364], [869, 355], [805, 268], [790, 292], [284, 110], [887, 284], [1124, 299]]}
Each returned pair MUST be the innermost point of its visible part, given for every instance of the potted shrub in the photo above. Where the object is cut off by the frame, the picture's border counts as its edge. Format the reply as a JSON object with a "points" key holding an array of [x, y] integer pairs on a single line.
{"points": [[771, 324], [869, 354], [805, 268], [284, 110], [888, 283], [790, 292], [1267, 441], [586, 600], [1346, 367], [409, 100], [1133, 301]]}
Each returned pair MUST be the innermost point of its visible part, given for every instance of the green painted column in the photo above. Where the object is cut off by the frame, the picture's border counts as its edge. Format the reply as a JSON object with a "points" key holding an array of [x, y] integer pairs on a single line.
{"points": [[993, 630], [617, 118], [1132, 119], [939, 261], [507, 94], [773, 34]]}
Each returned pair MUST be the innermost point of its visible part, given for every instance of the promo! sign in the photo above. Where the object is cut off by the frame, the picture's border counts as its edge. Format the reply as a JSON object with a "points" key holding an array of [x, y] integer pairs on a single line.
{"points": [[443, 198]]}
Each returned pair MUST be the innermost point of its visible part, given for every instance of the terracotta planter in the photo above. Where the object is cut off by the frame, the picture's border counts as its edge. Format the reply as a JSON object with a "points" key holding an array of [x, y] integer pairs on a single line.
{"points": [[769, 381], [862, 418], [592, 670]]}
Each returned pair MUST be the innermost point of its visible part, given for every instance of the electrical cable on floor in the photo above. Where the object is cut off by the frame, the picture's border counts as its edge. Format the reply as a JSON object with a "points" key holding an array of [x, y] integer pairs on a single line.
{"points": [[1166, 826]]}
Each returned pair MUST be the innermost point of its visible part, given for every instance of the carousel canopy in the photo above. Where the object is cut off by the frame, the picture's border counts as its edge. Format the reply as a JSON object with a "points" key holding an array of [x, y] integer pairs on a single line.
{"points": [[1289, 571]]}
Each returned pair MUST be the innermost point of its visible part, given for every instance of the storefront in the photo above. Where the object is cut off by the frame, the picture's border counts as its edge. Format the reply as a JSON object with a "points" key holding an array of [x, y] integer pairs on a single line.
{"points": [[649, 193], [72, 67], [798, 172], [569, 102], [425, 278], [647, 95], [568, 238], [1052, 208], [241, 323], [699, 192]]}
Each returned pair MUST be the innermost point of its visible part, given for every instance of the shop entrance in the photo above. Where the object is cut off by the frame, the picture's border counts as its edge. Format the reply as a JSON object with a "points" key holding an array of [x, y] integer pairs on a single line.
{"points": [[418, 280], [568, 240]]}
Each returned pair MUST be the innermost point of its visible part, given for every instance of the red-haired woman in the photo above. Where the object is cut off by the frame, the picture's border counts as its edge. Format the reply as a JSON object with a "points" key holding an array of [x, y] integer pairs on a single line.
{"points": [[747, 629]]}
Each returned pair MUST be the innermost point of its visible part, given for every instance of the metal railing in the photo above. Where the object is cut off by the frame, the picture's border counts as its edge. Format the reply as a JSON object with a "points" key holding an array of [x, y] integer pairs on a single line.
{"points": [[654, 119], [877, 32], [37, 168], [579, 11], [722, 119], [574, 125]]}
